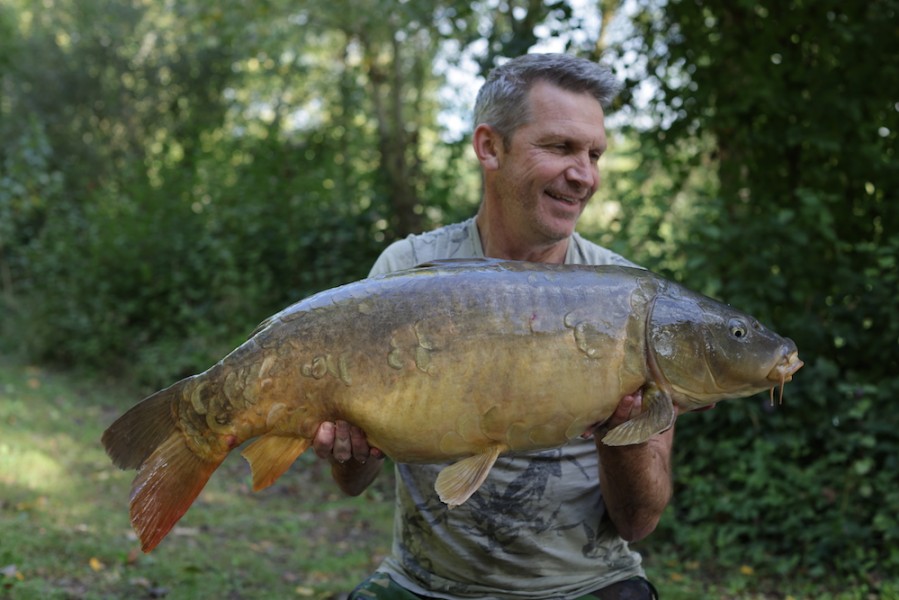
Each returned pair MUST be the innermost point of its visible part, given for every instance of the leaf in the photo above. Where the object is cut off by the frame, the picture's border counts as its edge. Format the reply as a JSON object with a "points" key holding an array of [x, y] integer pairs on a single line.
{"points": [[12, 572]]}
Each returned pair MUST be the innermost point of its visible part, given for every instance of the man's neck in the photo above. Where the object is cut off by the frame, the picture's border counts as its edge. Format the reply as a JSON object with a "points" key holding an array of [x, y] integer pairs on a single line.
{"points": [[497, 245]]}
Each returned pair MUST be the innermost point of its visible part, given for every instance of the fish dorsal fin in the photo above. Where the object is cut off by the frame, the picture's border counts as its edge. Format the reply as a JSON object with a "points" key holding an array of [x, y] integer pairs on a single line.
{"points": [[457, 482], [458, 262], [271, 455], [658, 415]]}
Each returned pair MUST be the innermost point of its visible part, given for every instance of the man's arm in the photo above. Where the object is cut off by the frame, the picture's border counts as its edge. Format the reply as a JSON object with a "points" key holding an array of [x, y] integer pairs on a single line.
{"points": [[635, 480]]}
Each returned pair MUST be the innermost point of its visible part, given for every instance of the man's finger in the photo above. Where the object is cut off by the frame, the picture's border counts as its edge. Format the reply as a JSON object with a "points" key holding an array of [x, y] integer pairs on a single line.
{"points": [[324, 440], [343, 445], [359, 444]]}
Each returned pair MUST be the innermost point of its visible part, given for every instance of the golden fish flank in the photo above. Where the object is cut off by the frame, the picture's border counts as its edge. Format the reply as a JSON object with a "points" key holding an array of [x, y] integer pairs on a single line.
{"points": [[452, 361]]}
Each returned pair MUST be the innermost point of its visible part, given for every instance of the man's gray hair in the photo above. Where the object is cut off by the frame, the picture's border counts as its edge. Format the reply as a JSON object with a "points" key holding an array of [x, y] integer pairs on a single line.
{"points": [[502, 101]]}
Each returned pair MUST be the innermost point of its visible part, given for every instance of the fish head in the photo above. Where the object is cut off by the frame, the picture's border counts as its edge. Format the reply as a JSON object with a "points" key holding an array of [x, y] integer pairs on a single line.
{"points": [[705, 351]]}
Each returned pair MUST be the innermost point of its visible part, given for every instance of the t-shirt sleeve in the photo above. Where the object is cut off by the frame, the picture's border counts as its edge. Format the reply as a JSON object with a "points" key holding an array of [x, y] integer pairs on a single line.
{"points": [[397, 256], [459, 240]]}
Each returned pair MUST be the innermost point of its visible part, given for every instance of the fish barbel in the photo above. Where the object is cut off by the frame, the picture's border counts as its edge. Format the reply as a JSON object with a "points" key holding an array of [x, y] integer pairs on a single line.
{"points": [[453, 361]]}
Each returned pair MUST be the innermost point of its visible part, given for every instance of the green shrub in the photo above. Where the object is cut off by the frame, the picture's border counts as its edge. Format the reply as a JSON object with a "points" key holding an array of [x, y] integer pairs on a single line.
{"points": [[159, 281]]}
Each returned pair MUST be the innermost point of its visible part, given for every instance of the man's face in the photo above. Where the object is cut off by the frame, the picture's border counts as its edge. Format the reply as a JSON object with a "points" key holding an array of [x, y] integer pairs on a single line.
{"points": [[549, 171]]}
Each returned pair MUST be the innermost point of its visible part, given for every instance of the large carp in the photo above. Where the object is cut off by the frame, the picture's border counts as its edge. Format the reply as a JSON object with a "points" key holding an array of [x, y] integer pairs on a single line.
{"points": [[450, 361]]}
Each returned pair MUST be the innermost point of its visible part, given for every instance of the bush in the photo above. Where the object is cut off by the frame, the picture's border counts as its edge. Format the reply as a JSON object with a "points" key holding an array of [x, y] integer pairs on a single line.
{"points": [[774, 126], [802, 487], [161, 281]]}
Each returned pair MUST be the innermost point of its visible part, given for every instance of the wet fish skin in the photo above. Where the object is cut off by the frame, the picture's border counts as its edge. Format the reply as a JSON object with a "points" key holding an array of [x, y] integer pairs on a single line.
{"points": [[457, 360]]}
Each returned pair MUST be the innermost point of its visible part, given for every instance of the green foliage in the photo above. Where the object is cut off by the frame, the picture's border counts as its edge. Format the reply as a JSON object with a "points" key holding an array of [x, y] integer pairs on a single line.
{"points": [[27, 184], [176, 172], [788, 500], [798, 226], [197, 177], [173, 173], [168, 281]]}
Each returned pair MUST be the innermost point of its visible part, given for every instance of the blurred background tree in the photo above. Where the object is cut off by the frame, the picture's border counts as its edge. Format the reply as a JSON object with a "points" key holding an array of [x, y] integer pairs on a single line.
{"points": [[773, 141], [172, 173]]}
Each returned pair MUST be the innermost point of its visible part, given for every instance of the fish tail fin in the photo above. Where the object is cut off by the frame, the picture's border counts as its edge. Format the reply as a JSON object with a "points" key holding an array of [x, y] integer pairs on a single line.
{"points": [[170, 474], [167, 484], [136, 434]]}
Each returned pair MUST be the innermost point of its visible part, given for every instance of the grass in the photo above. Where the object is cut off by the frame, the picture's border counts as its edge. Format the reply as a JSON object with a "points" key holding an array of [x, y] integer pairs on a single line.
{"points": [[65, 530], [64, 513]]}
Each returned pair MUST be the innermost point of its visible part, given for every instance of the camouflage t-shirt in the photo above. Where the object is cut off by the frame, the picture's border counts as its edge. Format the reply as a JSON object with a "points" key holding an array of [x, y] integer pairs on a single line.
{"points": [[537, 527]]}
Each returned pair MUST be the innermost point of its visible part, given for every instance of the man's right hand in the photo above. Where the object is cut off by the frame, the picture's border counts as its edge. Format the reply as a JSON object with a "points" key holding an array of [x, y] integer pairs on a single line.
{"points": [[340, 441], [354, 464]]}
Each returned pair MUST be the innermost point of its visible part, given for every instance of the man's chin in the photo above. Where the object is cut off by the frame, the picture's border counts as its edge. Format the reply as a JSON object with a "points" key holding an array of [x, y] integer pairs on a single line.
{"points": [[560, 224]]}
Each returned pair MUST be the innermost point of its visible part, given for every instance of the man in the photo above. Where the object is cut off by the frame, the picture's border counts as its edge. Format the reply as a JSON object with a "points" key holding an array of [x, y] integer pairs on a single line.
{"points": [[543, 525]]}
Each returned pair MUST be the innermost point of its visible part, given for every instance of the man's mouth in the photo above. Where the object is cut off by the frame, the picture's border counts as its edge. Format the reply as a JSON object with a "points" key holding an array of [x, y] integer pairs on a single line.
{"points": [[563, 198]]}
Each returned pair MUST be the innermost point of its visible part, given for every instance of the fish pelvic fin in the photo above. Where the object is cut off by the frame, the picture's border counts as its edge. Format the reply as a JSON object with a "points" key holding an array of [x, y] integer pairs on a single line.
{"points": [[658, 415], [136, 434], [457, 482], [271, 455], [166, 485]]}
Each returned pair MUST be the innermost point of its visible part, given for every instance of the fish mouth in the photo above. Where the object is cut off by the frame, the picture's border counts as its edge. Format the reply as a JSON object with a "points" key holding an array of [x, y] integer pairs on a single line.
{"points": [[783, 372]]}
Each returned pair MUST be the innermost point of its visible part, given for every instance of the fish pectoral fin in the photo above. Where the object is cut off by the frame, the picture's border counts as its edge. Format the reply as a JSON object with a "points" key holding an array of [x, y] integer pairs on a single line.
{"points": [[658, 415], [457, 482], [271, 455]]}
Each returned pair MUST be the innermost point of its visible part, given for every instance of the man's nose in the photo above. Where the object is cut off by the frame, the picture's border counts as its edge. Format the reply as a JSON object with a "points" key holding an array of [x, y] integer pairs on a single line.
{"points": [[582, 171]]}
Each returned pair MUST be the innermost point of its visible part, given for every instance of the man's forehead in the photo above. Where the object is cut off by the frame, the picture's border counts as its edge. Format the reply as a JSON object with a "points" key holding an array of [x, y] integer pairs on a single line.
{"points": [[546, 102], [566, 117]]}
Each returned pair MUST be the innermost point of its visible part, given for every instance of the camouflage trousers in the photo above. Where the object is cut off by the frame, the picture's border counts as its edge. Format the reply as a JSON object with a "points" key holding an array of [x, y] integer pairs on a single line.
{"points": [[381, 587]]}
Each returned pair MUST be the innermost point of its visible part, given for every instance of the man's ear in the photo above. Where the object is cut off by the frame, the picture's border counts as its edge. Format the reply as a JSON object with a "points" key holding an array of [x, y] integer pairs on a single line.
{"points": [[488, 146]]}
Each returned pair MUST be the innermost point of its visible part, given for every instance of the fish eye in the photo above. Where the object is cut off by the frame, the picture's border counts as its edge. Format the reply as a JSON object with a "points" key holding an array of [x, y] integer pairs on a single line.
{"points": [[738, 328]]}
